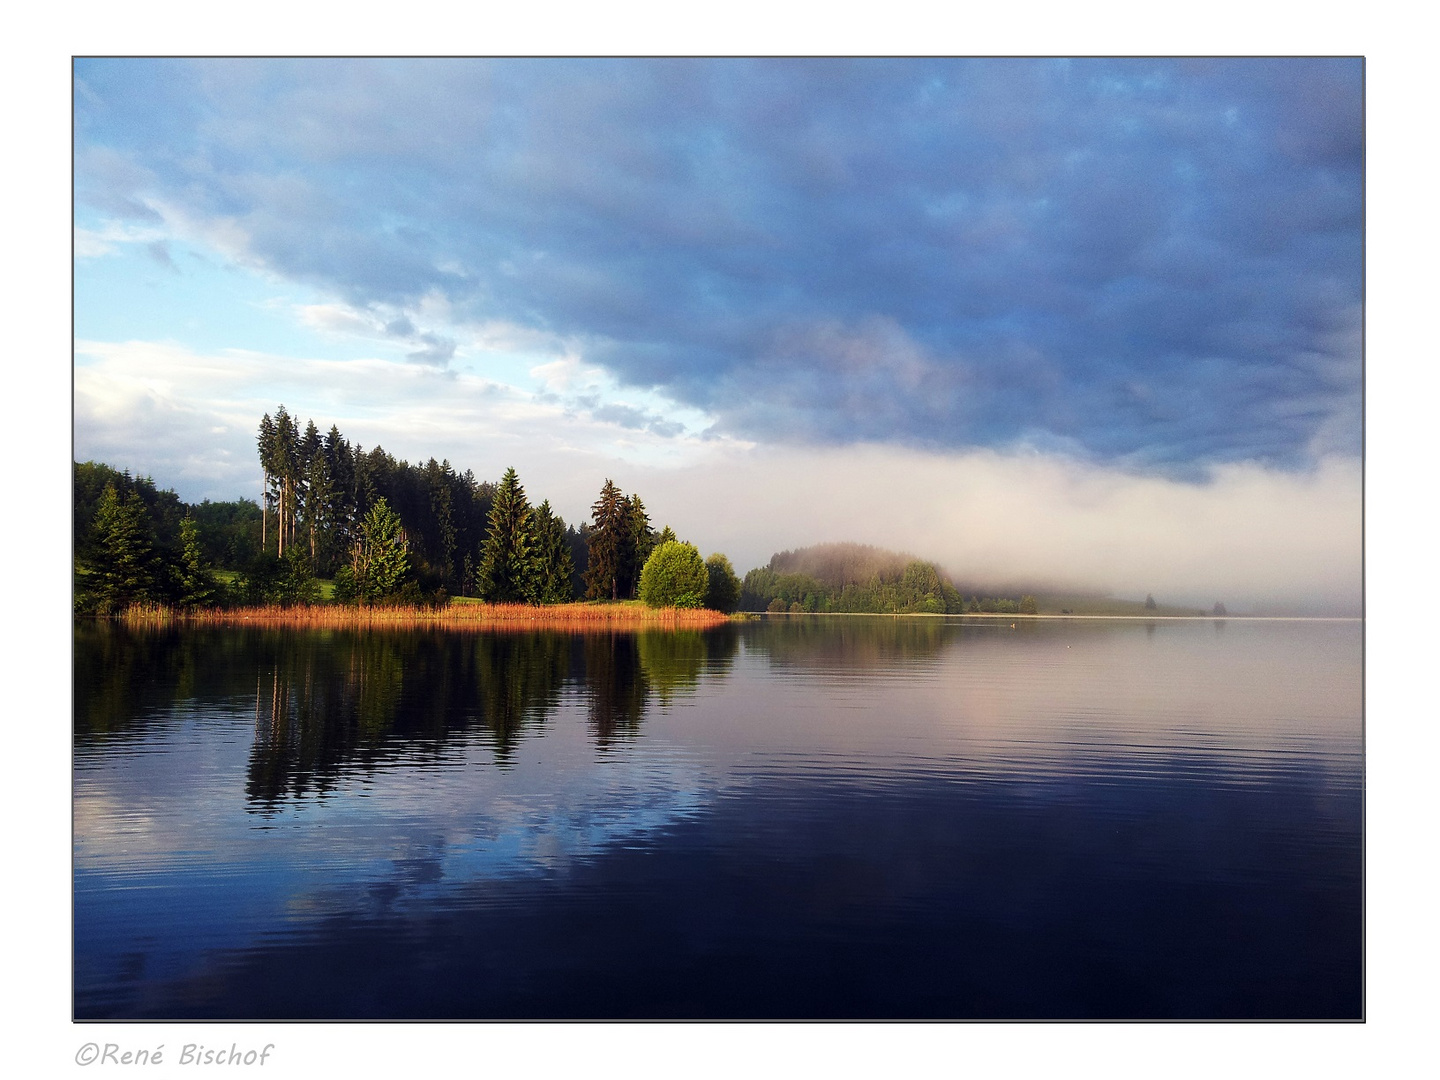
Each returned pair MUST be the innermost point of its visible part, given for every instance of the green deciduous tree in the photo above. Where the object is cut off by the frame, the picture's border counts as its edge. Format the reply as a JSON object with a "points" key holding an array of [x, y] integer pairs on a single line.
{"points": [[723, 590], [1029, 605], [674, 576]]}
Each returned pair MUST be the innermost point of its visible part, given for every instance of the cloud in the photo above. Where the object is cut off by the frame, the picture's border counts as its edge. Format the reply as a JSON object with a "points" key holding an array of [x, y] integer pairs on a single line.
{"points": [[437, 351], [96, 243], [189, 418], [159, 251], [1154, 264]]}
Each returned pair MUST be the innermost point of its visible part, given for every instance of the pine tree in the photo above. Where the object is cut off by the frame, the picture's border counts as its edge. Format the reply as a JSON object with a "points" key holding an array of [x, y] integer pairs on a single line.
{"points": [[125, 563], [311, 490], [341, 511], [607, 542], [508, 570], [195, 585], [641, 542], [380, 559], [441, 480], [552, 556], [265, 443]]}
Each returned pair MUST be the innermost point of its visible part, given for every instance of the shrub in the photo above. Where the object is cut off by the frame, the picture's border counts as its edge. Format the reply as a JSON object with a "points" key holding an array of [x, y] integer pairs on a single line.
{"points": [[674, 576]]}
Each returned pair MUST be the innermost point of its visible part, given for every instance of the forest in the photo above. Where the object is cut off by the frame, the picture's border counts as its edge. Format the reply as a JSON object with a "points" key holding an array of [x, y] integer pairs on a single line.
{"points": [[847, 577], [341, 523]]}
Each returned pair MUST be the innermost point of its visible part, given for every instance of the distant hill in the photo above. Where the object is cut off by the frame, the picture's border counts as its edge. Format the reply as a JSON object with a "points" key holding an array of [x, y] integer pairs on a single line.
{"points": [[848, 577], [863, 578], [841, 564]]}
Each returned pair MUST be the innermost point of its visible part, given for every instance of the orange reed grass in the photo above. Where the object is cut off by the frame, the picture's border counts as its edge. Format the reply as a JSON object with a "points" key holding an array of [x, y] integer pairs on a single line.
{"points": [[578, 617]]}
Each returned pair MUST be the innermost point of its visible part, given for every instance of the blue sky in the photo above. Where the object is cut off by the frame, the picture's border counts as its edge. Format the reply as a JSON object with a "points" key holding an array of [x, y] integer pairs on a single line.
{"points": [[859, 299]]}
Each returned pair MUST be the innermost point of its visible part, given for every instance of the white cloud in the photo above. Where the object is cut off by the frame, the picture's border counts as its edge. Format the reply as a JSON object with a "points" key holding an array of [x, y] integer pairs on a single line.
{"points": [[96, 243], [339, 319], [151, 407]]}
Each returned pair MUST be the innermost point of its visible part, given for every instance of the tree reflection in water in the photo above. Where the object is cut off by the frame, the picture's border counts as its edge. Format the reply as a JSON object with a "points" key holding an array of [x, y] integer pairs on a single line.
{"points": [[329, 704]]}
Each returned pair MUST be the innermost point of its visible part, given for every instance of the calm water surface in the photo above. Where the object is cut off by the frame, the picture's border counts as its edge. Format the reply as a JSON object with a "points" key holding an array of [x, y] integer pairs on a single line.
{"points": [[795, 818]]}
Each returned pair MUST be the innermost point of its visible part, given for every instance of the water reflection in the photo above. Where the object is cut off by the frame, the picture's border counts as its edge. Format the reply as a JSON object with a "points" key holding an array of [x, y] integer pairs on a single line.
{"points": [[828, 817], [330, 703], [853, 644]]}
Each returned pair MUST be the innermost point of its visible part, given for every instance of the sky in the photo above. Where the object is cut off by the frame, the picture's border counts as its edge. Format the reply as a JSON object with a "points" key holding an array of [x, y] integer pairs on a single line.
{"points": [[1089, 323]]}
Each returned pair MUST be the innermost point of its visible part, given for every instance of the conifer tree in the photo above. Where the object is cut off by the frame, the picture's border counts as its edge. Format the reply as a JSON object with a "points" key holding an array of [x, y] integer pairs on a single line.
{"points": [[379, 560], [508, 570], [552, 551], [607, 541], [265, 442], [311, 489], [125, 564], [641, 542], [195, 585]]}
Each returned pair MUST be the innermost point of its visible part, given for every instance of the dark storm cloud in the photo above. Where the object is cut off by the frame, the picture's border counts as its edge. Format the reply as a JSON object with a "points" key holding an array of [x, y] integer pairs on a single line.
{"points": [[1156, 263]]}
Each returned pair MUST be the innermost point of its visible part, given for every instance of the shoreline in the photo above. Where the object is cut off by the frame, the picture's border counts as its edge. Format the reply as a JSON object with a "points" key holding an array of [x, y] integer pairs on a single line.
{"points": [[473, 616], [998, 615], [590, 616]]}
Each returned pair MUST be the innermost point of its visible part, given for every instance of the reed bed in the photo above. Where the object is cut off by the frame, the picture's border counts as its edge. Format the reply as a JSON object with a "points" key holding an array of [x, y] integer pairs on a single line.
{"points": [[578, 617]]}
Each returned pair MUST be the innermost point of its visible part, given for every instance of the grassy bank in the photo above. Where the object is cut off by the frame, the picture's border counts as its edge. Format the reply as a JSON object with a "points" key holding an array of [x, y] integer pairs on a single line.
{"points": [[460, 614]]}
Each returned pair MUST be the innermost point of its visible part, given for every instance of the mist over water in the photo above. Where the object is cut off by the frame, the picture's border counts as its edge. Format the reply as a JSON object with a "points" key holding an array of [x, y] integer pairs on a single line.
{"points": [[800, 817]]}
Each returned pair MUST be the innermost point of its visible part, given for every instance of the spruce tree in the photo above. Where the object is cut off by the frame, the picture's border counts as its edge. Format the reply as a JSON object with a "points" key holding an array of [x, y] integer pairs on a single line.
{"points": [[640, 543], [382, 555], [607, 541], [552, 556], [125, 563], [508, 569], [195, 585]]}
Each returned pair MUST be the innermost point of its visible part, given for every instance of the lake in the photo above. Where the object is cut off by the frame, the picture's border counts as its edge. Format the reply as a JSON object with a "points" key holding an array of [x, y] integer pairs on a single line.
{"points": [[800, 817]]}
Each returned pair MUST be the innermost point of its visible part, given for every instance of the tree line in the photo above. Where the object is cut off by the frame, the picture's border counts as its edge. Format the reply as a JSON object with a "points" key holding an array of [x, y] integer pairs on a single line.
{"points": [[378, 528]]}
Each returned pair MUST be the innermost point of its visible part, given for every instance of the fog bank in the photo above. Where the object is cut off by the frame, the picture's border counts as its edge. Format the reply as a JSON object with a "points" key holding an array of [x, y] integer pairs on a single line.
{"points": [[1260, 540]]}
